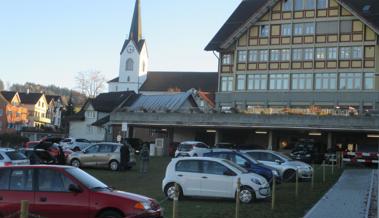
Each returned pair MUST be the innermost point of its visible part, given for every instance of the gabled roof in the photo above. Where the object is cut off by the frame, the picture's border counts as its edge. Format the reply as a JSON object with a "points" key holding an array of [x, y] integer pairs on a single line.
{"points": [[161, 81], [139, 45], [8, 95], [107, 102], [49, 98], [30, 98]]}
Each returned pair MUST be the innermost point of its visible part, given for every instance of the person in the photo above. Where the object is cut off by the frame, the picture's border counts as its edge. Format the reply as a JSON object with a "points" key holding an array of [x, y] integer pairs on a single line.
{"points": [[144, 158], [124, 157], [61, 158]]}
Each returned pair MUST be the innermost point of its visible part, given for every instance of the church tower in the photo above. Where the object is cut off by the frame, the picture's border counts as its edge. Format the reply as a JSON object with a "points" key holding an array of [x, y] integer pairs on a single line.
{"points": [[133, 58]]}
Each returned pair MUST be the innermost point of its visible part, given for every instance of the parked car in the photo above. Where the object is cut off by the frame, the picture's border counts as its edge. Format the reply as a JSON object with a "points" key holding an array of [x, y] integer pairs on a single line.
{"points": [[38, 156], [191, 149], [284, 164], [75, 144], [103, 154], [10, 157], [53, 149], [247, 162], [307, 151], [64, 191], [212, 177]]}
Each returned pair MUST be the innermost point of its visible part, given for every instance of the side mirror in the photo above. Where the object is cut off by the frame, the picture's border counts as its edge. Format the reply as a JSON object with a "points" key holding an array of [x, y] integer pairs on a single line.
{"points": [[229, 173], [278, 162], [74, 188]]}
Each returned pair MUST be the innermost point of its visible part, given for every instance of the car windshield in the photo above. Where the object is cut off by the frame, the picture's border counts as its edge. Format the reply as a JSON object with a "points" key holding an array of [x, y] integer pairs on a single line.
{"points": [[285, 157], [86, 179], [235, 166], [15, 155], [250, 159], [185, 147]]}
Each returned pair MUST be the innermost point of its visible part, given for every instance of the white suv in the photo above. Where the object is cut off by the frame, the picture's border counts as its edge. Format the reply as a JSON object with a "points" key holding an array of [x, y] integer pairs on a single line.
{"points": [[75, 144], [10, 157], [212, 177], [191, 149]]}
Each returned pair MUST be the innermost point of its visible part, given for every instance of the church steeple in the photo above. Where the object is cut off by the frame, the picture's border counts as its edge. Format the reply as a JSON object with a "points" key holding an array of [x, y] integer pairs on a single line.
{"points": [[135, 33]]}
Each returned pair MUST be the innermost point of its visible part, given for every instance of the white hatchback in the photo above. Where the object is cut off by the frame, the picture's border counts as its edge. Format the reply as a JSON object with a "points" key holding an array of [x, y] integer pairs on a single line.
{"points": [[212, 177], [191, 149]]}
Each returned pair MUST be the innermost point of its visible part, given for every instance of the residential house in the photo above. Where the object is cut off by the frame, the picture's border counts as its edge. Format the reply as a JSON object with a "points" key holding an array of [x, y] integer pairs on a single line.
{"points": [[13, 116], [37, 109], [55, 110]]}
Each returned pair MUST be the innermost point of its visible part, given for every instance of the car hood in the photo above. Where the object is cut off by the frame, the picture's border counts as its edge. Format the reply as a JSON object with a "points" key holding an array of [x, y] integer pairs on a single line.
{"points": [[295, 163], [127, 195]]}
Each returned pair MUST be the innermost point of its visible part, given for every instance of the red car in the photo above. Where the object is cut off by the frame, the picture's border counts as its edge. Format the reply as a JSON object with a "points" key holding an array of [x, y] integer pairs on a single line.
{"points": [[63, 191]]}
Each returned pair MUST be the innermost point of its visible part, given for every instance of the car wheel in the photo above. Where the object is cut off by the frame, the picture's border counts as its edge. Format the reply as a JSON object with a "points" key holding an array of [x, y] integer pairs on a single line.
{"points": [[289, 175], [110, 214], [114, 165], [75, 163], [246, 195], [170, 191]]}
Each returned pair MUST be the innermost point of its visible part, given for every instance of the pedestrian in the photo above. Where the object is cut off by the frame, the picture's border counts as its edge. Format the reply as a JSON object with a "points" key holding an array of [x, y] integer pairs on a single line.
{"points": [[124, 157], [61, 158], [144, 158]]}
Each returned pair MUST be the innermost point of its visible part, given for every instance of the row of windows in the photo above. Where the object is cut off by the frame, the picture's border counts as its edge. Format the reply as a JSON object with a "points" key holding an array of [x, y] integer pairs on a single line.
{"points": [[299, 81], [298, 54], [299, 5]]}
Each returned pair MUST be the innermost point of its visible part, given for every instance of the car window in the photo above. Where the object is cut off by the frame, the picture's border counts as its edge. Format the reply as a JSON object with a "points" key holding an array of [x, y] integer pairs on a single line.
{"points": [[93, 149], [254, 155], [191, 166], [66, 140], [4, 179], [21, 180], [221, 155], [15, 155], [107, 148], [85, 178], [1, 157], [52, 181], [185, 147], [240, 160], [82, 140], [211, 167], [201, 145]]}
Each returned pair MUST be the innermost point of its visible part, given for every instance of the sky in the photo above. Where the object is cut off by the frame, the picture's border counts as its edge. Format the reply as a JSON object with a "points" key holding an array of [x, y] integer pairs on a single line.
{"points": [[50, 41]]}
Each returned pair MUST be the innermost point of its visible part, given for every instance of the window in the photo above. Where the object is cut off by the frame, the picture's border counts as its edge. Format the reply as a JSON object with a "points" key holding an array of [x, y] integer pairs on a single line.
{"points": [[240, 160], [298, 29], [286, 29], [263, 55], [287, 5], [227, 59], [275, 55], [322, 4], [52, 181], [241, 81], [279, 81], [345, 53], [350, 81], [257, 82], [346, 26], [93, 149], [369, 79], [211, 167], [327, 27], [299, 5], [309, 28], [286, 55], [308, 54], [310, 4], [91, 114], [226, 84], [326, 81], [21, 180], [1, 112], [264, 31], [320, 53], [356, 52], [253, 56], [128, 79], [4, 179], [107, 148], [332, 53], [189, 166], [302, 81], [297, 54], [129, 65], [242, 56]]}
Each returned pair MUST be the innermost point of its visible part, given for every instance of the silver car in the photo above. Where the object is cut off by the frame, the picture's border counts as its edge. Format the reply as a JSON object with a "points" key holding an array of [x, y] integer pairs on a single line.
{"points": [[284, 164], [103, 154], [75, 144], [10, 157]]}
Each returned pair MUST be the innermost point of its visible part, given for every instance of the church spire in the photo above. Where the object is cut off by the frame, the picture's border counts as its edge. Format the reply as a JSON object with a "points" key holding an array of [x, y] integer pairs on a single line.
{"points": [[136, 27]]}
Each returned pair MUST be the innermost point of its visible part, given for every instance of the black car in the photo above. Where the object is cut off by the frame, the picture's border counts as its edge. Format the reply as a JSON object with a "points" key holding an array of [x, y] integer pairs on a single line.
{"points": [[307, 151], [38, 156]]}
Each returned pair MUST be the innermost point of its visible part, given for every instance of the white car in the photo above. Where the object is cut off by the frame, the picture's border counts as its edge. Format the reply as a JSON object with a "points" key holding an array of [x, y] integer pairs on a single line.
{"points": [[213, 177], [10, 157], [282, 163], [191, 149], [75, 144]]}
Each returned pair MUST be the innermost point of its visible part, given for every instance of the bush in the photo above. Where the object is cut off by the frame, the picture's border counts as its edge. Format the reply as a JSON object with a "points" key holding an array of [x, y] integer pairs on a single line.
{"points": [[11, 140]]}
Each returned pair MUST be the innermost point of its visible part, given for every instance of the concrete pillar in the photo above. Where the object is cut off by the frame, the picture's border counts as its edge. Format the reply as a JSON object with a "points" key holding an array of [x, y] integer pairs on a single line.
{"points": [[217, 137], [330, 141], [269, 147], [130, 133]]}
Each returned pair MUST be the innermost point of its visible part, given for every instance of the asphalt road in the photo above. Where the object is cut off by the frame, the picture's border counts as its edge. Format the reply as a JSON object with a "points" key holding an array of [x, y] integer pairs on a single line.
{"points": [[347, 198]]}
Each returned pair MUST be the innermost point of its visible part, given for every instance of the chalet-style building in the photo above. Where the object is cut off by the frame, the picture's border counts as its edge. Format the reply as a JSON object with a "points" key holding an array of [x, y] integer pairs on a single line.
{"points": [[13, 116], [55, 110], [37, 109]]}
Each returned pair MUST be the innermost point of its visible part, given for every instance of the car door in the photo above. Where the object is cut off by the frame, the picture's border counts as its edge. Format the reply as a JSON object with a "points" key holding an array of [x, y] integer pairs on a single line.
{"points": [[214, 182], [104, 154], [188, 175], [15, 185], [89, 156], [54, 199]]}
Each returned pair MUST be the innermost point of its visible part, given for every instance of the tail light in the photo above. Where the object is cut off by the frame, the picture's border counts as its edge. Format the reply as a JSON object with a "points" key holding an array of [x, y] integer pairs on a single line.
{"points": [[7, 164]]}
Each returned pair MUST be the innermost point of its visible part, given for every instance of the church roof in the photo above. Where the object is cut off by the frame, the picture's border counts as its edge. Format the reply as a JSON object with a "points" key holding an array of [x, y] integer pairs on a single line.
{"points": [[139, 45]]}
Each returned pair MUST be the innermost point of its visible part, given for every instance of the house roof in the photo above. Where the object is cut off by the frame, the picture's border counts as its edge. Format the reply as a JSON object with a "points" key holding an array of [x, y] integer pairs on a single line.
{"points": [[52, 97], [244, 11], [30, 98], [101, 121], [8, 95], [107, 102], [163, 81]]}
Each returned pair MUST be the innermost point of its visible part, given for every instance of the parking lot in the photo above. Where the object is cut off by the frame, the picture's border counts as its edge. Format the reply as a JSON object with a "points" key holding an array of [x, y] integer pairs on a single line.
{"points": [[287, 205]]}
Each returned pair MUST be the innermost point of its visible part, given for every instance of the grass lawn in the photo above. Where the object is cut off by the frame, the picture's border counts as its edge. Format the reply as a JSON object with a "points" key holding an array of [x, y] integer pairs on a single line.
{"points": [[287, 205]]}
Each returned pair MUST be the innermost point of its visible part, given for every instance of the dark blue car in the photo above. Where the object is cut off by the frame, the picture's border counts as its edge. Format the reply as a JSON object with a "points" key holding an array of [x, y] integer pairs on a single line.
{"points": [[248, 163]]}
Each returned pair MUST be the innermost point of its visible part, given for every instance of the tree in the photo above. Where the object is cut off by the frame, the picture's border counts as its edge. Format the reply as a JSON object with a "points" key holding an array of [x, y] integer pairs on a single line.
{"points": [[90, 83], [1, 85]]}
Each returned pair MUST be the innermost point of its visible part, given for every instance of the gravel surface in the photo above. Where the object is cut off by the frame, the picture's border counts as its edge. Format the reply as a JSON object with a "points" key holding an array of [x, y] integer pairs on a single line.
{"points": [[347, 198]]}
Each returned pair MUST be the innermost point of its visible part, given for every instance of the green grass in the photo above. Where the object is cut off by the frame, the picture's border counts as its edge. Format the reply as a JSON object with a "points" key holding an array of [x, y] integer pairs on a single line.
{"points": [[287, 205]]}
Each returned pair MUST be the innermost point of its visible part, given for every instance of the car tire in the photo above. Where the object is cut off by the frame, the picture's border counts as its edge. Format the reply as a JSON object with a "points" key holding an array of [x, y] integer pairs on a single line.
{"points": [[75, 163], [246, 195], [169, 190], [289, 175], [114, 165], [110, 214]]}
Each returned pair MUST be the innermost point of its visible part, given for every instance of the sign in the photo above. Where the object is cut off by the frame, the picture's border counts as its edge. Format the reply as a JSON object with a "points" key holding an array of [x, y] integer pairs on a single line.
{"points": [[118, 138], [124, 127]]}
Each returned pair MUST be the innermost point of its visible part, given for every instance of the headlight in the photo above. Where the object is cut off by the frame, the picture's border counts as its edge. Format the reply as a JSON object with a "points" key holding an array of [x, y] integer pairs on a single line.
{"points": [[143, 205], [275, 173], [256, 181]]}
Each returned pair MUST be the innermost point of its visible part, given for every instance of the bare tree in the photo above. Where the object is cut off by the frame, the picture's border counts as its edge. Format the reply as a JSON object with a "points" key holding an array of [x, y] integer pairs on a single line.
{"points": [[2, 87], [90, 83]]}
